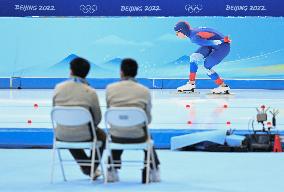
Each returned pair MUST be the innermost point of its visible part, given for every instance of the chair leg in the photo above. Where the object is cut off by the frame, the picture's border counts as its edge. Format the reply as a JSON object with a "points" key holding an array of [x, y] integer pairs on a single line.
{"points": [[106, 174], [148, 165], [61, 165], [100, 161], [153, 158], [111, 161], [93, 163], [52, 165]]}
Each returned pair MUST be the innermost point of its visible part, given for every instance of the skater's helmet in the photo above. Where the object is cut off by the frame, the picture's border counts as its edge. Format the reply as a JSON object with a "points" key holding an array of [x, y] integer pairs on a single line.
{"points": [[183, 27]]}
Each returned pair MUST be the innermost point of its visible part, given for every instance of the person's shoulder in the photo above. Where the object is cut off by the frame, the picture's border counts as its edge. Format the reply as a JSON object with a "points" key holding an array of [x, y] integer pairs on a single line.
{"points": [[63, 84], [113, 85], [142, 87], [88, 88], [128, 83]]}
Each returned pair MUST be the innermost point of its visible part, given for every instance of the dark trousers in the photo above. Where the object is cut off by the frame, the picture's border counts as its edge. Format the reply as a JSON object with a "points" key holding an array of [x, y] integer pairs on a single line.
{"points": [[80, 154], [116, 154]]}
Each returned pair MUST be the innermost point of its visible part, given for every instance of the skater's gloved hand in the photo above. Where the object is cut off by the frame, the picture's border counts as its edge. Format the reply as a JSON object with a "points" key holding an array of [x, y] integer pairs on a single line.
{"points": [[227, 39], [217, 42]]}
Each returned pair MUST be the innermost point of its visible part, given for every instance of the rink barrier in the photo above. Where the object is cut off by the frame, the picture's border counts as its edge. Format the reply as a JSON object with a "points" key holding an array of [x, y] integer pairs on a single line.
{"points": [[152, 83], [5, 83], [43, 137]]}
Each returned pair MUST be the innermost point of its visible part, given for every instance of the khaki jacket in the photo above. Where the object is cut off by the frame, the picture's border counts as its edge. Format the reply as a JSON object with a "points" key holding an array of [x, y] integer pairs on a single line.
{"points": [[71, 93], [129, 93]]}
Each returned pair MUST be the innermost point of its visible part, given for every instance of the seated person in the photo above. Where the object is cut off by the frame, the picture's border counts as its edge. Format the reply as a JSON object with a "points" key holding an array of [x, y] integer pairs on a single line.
{"points": [[129, 93], [77, 92]]}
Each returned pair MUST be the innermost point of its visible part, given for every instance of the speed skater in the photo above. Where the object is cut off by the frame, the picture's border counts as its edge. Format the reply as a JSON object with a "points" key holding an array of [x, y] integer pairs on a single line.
{"points": [[214, 47]]}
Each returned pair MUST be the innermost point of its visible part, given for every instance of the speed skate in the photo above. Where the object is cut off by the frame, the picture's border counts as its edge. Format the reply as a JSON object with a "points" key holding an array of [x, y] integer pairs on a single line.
{"points": [[221, 90], [188, 88]]}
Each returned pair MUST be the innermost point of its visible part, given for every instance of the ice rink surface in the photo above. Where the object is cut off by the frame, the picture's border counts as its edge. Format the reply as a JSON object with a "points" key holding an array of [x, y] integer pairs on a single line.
{"points": [[170, 109], [28, 170]]}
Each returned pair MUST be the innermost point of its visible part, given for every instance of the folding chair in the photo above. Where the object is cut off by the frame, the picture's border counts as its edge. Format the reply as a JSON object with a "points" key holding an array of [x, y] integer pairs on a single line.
{"points": [[120, 118], [71, 117]]}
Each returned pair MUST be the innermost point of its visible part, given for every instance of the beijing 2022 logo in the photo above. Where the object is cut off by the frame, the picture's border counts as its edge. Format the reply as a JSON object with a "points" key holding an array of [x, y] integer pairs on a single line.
{"points": [[193, 8], [88, 8]]}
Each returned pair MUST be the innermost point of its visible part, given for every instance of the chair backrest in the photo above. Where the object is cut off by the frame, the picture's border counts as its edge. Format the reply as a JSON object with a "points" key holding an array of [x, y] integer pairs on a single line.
{"points": [[71, 116], [125, 117]]}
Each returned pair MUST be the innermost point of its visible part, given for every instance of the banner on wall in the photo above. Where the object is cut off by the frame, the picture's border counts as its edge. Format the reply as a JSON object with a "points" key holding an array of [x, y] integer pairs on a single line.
{"points": [[87, 8]]}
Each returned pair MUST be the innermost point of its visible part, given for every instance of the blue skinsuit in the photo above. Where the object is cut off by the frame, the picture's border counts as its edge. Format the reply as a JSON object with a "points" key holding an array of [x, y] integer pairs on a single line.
{"points": [[213, 54]]}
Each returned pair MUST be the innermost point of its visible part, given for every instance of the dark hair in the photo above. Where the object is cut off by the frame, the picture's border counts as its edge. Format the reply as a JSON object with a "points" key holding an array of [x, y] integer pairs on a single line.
{"points": [[129, 67], [80, 67]]}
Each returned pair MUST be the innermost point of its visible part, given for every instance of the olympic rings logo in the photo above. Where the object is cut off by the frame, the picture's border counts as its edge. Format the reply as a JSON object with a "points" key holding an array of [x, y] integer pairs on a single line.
{"points": [[88, 8], [193, 8]]}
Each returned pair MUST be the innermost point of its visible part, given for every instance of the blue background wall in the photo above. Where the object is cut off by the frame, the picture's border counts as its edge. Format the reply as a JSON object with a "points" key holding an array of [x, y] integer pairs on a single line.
{"points": [[43, 47]]}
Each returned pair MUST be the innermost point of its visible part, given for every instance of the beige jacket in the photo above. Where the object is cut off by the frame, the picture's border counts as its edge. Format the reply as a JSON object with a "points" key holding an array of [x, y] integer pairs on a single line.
{"points": [[71, 93], [129, 93]]}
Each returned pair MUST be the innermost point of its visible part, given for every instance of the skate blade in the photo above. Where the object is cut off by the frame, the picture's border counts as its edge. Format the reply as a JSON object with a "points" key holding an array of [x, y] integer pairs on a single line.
{"points": [[225, 93], [188, 92], [220, 95]]}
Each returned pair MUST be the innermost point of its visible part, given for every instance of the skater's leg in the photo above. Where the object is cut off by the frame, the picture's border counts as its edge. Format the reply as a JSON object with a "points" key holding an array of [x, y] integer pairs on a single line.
{"points": [[196, 59], [214, 58], [214, 76], [222, 87]]}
